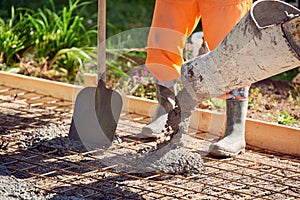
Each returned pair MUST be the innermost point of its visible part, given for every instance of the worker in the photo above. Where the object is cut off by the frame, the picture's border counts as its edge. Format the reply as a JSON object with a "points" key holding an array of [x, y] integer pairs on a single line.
{"points": [[173, 22]]}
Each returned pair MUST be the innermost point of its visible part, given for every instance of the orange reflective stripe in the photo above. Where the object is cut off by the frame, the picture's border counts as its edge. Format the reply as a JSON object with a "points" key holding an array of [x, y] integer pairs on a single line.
{"points": [[173, 21]]}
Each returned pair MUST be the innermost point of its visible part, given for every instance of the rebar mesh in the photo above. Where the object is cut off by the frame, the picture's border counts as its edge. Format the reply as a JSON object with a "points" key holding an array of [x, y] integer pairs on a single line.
{"points": [[63, 169]]}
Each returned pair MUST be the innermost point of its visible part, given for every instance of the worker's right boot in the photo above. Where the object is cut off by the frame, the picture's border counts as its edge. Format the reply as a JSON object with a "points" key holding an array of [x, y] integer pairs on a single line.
{"points": [[166, 102], [233, 141]]}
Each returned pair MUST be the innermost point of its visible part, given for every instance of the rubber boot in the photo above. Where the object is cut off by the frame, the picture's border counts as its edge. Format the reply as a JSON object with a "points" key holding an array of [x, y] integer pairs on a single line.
{"points": [[166, 102], [233, 141]]}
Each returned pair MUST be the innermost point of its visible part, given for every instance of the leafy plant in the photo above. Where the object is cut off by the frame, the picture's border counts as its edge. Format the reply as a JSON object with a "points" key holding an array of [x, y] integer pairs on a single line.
{"points": [[287, 76], [285, 118], [11, 40], [217, 103], [138, 82], [122, 15], [71, 60], [55, 31], [45, 41], [256, 99]]}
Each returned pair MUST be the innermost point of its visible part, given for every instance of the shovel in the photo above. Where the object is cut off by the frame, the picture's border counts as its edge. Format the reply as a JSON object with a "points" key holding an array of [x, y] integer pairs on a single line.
{"points": [[97, 109]]}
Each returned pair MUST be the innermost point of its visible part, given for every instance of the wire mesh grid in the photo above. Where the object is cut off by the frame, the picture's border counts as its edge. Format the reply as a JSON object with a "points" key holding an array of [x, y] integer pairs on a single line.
{"points": [[56, 166]]}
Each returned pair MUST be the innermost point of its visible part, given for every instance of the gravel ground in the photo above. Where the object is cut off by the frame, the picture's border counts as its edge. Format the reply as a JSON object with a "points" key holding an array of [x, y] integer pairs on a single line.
{"points": [[55, 136], [33, 140], [12, 188], [47, 138]]}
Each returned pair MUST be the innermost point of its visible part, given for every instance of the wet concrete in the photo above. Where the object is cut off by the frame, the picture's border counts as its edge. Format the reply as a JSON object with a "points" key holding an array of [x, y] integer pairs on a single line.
{"points": [[170, 156], [12, 188], [178, 161]]}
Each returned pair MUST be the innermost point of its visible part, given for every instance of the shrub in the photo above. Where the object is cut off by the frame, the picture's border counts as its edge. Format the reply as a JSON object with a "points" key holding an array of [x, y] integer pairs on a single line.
{"points": [[12, 40], [44, 41]]}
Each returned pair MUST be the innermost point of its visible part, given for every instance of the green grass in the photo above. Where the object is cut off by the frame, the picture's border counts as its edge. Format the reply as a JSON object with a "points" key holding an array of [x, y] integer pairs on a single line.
{"points": [[284, 118], [12, 39], [56, 40], [53, 40]]}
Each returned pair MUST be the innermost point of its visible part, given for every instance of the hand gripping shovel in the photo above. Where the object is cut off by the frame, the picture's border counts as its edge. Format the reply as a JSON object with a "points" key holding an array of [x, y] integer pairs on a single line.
{"points": [[97, 109]]}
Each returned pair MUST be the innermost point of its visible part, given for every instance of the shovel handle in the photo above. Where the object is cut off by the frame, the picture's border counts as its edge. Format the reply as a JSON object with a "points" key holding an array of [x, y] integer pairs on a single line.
{"points": [[101, 65]]}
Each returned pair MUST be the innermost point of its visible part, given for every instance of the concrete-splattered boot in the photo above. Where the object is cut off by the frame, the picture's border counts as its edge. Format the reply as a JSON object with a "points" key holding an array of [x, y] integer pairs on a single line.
{"points": [[166, 102], [233, 141]]}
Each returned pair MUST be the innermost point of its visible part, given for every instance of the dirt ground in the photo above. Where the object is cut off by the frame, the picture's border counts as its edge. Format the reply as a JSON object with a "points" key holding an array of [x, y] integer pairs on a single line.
{"points": [[272, 101], [275, 101]]}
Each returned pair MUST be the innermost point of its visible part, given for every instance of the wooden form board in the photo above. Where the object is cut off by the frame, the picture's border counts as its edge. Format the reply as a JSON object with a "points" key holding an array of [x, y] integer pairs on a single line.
{"points": [[278, 138], [42, 86]]}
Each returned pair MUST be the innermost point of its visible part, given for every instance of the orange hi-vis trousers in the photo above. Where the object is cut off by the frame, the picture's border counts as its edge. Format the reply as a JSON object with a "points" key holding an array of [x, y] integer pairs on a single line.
{"points": [[175, 20]]}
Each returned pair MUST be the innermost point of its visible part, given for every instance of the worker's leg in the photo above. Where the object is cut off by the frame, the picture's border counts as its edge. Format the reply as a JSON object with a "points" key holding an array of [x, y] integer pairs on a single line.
{"points": [[218, 18], [165, 93], [172, 23], [233, 141]]}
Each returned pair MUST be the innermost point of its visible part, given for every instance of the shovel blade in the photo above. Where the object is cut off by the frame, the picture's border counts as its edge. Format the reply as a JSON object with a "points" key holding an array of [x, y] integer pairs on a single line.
{"points": [[96, 114]]}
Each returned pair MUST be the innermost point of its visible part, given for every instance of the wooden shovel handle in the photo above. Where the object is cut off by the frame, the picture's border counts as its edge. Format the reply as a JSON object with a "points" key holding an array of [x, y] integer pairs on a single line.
{"points": [[101, 67]]}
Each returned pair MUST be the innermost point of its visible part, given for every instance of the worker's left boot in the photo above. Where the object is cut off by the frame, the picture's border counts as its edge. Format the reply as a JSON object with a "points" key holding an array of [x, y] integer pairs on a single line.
{"points": [[233, 141], [166, 102]]}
